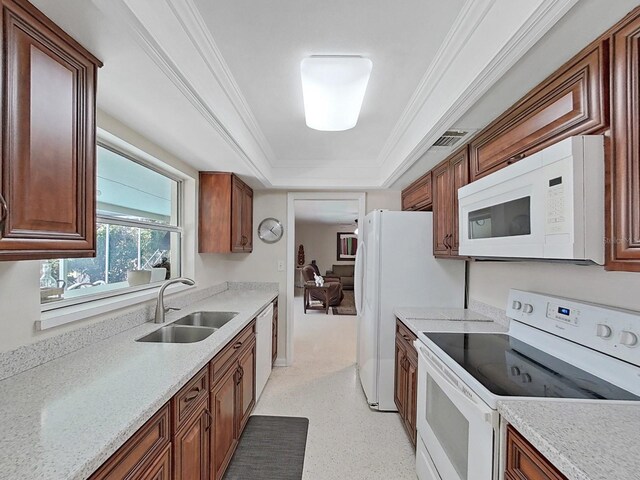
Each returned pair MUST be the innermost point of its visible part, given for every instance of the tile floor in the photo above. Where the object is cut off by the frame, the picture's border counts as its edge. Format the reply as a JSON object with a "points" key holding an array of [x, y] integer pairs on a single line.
{"points": [[346, 439]]}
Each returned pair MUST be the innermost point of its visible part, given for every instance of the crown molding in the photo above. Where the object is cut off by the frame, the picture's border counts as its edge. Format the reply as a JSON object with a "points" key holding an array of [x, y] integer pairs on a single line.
{"points": [[543, 18], [121, 10], [203, 42]]}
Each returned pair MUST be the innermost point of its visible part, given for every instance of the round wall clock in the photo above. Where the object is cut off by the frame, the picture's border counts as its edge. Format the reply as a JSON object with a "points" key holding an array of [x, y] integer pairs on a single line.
{"points": [[270, 230]]}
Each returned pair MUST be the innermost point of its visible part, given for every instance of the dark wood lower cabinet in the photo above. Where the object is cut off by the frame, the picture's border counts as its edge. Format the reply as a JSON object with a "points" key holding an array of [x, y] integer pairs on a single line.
{"points": [[406, 379], [191, 445], [194, 436], [274, 333], [524, 462], [224, 438]]}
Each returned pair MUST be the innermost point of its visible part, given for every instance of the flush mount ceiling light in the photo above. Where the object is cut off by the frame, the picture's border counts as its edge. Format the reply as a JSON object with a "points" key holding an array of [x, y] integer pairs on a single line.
{"points": [[333, 88]]}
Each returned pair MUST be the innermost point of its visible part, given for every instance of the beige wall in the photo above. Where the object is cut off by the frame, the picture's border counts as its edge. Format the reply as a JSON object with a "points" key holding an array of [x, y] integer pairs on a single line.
{"points": [[489, 282], [320, 243]]}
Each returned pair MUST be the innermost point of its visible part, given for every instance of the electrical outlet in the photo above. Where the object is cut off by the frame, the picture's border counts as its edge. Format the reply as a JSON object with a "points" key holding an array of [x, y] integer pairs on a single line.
{"points": [[281, 265]]}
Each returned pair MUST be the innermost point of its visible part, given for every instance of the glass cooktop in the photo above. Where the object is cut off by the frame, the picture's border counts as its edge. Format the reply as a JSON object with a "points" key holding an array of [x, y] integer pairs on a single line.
{"points": [[509, 367]]}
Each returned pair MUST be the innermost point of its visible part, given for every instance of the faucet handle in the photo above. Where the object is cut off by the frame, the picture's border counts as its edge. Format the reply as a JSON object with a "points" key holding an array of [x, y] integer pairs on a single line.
{"points": [[168, 309]]}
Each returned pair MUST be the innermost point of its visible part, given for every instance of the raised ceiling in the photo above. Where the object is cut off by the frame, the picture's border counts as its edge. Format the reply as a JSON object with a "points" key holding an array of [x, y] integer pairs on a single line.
{"points": [[329, 212], [217, 83]]}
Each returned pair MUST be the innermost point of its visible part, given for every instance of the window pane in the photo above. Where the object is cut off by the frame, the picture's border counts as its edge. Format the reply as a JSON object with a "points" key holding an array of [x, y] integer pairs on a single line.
{"points": [[129, 190], [120, 251]]}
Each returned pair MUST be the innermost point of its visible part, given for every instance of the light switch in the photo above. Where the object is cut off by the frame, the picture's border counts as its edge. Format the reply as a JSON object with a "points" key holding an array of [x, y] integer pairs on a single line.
{"points": [[281, 265]]}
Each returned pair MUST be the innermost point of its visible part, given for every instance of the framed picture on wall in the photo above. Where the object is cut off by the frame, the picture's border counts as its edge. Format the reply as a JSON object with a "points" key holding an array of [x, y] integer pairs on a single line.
{"points": [[347, 246]]}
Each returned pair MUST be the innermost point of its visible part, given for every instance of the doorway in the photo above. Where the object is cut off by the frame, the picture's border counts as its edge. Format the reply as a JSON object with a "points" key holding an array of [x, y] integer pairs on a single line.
{"points": [[315, 218]]}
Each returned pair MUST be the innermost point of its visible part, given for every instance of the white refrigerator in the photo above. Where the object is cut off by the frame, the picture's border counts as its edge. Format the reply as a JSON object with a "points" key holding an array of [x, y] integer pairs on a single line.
{"points": [[395, 267]]}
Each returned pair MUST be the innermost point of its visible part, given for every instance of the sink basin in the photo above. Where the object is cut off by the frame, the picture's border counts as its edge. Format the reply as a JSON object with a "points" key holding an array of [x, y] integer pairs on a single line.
{"points": [[206, 319], [177, 334]]}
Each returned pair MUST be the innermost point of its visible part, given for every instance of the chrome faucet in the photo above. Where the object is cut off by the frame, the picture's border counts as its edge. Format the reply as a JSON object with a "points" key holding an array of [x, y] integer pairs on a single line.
{"points": [[160, 310]]}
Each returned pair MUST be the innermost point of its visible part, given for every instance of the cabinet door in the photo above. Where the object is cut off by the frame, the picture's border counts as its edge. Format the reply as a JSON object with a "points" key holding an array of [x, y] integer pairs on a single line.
{"points": [[459, 170], [237, 202], [247, 220], [411, 396], [48, 139], [246, 385], [400, 378], [572, 101], [224, 435], [442, 209], [417, 196], [623, 197], [160, 469], [274, 333], [191, 446], [524, 462]]}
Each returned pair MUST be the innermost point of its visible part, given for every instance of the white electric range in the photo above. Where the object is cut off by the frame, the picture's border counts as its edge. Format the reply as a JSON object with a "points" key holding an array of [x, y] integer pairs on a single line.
{"points": [[555, 348]]}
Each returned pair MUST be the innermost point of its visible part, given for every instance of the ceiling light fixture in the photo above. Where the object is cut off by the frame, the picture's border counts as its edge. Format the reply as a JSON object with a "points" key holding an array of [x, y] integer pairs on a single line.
{"points": [[333, 88]]}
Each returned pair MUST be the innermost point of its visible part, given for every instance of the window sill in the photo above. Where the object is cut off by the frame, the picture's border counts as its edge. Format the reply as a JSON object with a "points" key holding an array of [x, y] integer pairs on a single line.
{"points": [[62, 315]]}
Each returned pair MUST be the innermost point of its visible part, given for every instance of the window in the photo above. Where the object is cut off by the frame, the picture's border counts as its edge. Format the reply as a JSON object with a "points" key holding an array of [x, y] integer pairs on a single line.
{"points": [[138, 234]]}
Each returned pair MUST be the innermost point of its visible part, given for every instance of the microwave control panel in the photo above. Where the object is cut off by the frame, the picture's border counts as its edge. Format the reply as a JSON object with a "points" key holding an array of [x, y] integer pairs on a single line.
{"points": [[556, 218]]}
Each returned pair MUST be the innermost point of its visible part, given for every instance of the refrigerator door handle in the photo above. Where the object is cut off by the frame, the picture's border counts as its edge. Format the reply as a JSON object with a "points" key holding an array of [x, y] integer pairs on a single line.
{"points": [[359, 278]]}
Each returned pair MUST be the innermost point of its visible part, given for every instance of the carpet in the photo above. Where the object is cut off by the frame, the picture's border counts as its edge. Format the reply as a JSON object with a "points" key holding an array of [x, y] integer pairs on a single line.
{"points": [[347, 306], [271, 448]]}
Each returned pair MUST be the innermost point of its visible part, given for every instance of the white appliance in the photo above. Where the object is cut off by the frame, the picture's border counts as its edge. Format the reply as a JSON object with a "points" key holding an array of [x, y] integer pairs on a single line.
{"points": [[555, 349], [264, 325], [395, 267], [549, 205]]}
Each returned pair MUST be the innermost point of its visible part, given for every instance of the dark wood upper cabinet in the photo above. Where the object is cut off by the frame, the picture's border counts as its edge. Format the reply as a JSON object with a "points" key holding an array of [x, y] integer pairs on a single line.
{"points": [[225, 219], [417, 196], [448, 177], [623, 167], [47, 174], [572, 101]]}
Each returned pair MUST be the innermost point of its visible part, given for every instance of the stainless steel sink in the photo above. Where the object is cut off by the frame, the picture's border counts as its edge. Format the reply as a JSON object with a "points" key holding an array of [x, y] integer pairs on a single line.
{"points": [[177, 334], [206, 319]]}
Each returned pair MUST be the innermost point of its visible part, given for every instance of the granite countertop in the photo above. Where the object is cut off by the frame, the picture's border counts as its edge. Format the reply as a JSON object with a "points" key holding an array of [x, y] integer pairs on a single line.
{"points": [[447, 320], [585, 441], [63, 419]]}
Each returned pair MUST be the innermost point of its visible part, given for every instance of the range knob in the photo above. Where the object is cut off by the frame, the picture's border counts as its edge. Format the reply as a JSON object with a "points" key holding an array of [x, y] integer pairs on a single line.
{"points": [[628, 339], [516, 305], [526, 378], [603, 331], [528, 308]]}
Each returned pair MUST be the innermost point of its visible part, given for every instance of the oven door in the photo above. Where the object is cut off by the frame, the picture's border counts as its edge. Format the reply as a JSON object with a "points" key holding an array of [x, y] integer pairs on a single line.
{"points": [[458, 430]]}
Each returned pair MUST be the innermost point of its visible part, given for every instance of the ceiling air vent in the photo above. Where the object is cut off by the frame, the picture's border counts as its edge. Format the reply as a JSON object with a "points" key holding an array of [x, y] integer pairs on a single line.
{"points": [[450, 138]]}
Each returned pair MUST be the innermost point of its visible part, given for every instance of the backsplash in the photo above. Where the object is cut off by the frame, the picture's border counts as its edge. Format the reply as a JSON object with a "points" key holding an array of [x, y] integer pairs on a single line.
{"points": [[29, 356], [496, 314]]}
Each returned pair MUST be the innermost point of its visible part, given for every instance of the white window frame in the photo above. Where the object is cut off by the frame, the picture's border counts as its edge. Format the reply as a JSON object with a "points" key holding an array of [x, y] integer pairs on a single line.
{"points": [[85, 306]]}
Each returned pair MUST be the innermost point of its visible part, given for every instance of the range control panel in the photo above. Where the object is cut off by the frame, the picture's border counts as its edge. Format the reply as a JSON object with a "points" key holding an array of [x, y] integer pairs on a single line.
{"points": [[609, 330]]}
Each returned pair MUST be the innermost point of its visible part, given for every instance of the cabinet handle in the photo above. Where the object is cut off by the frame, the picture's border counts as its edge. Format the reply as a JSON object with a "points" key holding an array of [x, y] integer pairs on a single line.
{"points": [[209, 419], [192, 396], [5, 212], [515, 158], [237, 345], [239, 375], [243, 240], [444, 240], [406, 337]]}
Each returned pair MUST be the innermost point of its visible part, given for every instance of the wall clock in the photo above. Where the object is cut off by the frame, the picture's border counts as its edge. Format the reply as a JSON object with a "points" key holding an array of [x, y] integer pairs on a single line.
{"points": [[270, 230]]}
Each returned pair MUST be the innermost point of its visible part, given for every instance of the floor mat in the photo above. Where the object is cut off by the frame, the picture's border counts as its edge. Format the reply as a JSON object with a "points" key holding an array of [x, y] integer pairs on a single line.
{"points": [[271, 448], [347, 305]]}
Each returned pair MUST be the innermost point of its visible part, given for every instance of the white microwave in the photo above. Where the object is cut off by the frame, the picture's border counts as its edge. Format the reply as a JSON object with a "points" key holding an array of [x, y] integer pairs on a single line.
{"points": [[549, 206]]}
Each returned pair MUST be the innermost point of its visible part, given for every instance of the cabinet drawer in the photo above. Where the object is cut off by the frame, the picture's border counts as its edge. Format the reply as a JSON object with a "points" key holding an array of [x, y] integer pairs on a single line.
{"points": [[417, 195], [406, 334], [187, 399], [524, 462], [145, 445], [226, 357], [574, 100]]}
